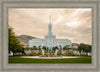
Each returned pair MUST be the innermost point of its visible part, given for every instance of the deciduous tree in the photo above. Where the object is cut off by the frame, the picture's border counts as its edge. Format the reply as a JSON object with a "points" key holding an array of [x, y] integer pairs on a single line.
{"points": [[14, 43]]}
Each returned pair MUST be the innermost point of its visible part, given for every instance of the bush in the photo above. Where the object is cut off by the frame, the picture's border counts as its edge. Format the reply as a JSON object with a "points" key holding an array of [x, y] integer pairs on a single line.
{"points": [[65, 55], [39, 53], [17, 54], [27, 48], [59, 52], [34, 54], [55, 55]]}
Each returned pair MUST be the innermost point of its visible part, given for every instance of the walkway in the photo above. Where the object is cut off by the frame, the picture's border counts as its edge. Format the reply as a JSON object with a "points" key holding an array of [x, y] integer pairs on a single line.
{"points": [[37, 57]]}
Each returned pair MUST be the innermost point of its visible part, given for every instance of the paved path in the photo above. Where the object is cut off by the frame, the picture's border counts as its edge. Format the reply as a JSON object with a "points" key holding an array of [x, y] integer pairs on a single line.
{"points": [[49, 57]]}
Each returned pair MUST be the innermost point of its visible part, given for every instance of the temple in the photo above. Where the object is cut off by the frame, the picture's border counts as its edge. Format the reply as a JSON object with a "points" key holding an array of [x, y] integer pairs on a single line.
{"points": [[49, 40]]}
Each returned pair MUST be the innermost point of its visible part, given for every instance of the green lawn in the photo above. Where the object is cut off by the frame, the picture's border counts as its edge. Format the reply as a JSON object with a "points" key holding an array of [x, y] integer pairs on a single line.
{"points": [[30, 60]]}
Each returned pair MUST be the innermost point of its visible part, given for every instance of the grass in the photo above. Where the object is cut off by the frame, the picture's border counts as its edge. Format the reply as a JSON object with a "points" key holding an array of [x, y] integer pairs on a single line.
{"points": [[81, 60]]}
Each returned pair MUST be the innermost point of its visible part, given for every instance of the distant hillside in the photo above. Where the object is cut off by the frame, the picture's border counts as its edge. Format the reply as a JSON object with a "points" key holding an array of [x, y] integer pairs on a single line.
{"points": [[75, 44], [25, 38]]}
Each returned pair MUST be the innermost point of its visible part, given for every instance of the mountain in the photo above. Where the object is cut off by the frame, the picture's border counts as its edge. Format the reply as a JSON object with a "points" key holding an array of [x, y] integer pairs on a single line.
{"points": [[75, 44], [25, 38]]}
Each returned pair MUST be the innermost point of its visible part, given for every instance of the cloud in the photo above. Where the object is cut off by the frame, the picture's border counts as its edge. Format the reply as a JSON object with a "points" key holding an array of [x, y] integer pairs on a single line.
{"points": [[71, 23]]}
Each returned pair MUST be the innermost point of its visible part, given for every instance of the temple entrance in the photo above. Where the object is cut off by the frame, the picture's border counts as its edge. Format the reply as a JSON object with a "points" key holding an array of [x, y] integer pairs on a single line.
{"points": [[49, 47]]}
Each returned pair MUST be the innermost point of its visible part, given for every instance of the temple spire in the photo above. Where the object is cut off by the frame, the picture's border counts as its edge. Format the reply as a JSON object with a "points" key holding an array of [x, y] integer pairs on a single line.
{"points": [[50, 27], [50, 19]]}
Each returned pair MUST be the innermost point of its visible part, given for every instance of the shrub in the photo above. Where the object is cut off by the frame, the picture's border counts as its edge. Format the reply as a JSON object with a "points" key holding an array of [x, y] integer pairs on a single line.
{"points": [[55, 55], [39, 53], [59, 52], [17, 54]]}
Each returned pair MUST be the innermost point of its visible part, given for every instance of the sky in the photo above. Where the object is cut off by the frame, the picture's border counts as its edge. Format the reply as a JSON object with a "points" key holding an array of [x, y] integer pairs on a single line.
{"points": [[67, 23]]}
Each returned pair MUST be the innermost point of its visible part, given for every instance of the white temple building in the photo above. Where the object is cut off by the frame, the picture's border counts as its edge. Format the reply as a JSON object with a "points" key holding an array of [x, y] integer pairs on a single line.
{"points": [[49, 40]]}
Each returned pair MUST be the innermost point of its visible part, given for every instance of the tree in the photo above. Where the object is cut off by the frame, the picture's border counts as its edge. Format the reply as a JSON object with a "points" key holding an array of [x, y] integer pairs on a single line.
{"points": [[39, 48], [44, 47], [60, 47], [81, 47], [90, 48], [20, 49], [66, 47], [85, 48], [14, 43], [55, 47], [23, 51], [27, 48], [34, 48]]}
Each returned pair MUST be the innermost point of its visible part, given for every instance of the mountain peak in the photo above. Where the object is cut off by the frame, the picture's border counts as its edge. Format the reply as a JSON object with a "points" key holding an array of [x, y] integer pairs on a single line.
{"points": [[25, 38]]}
